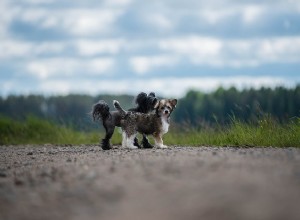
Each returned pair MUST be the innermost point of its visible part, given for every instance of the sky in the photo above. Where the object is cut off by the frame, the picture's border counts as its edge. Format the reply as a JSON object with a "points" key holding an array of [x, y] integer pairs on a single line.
{"points": [[57, 47]]}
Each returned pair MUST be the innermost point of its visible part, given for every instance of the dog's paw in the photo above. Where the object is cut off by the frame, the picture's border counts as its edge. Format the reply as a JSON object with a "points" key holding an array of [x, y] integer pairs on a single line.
{"points": [[105, 144], [162, 146], [146, 143], [132, 147]]}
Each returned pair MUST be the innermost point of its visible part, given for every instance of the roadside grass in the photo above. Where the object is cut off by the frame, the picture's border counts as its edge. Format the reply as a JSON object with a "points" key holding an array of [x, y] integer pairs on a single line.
{"points": [[37, 131], [266, 132]]}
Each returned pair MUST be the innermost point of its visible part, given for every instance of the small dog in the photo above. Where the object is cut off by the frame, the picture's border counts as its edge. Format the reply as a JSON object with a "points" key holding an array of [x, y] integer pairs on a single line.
{"points": [[156, 123], [111, 119]]}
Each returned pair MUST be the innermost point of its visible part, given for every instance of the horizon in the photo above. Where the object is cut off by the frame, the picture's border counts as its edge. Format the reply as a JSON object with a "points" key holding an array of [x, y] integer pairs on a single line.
{"points": [[157, 94]]}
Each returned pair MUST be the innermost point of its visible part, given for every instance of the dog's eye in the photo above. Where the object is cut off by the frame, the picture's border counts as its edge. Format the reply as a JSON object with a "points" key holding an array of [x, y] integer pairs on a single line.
{"points": [[162, 108], [168, 107]]}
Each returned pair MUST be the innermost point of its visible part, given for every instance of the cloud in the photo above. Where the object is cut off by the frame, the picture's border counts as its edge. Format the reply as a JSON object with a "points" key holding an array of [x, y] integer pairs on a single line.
{"points": [[251, 13], [118, 2], [236, 53], [200, 46], [94, 47], [12, 49], [159, 21], [78, 22], [248, 13], [67, 67], [214, 16], [83, 47], [88, 22], [144, 64]]}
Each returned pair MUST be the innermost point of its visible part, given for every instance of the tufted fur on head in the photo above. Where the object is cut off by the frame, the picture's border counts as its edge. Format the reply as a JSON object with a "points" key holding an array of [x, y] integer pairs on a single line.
{"points": [[155, 123], [110, 119]]}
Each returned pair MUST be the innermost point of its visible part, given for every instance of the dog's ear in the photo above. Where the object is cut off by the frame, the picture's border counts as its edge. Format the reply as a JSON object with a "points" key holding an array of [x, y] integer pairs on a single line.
{"points": [[173, 102], [157, 104], [152, 94], [140, 97]]}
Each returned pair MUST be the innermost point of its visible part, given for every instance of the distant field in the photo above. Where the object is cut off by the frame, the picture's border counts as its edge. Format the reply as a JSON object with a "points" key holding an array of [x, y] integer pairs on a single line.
{"points": [[266, 132]]}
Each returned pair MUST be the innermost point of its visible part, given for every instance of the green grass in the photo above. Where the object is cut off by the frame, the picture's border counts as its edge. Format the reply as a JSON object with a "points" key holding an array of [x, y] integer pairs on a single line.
{"points": [[36, 131], [266, 132]]}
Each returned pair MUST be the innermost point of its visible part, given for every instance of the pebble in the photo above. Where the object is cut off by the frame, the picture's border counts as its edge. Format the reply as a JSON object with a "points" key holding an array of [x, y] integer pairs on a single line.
{"points": [[18, 182], [3, 174]]}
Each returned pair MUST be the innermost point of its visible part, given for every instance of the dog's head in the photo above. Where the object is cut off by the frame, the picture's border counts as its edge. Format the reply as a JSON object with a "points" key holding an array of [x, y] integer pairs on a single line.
{"points": [[165, 107], [146, 102]]}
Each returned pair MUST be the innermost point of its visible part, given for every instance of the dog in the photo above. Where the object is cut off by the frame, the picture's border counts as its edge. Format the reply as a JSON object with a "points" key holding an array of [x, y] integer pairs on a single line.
{"points": [[155, 123], [111, 119]]}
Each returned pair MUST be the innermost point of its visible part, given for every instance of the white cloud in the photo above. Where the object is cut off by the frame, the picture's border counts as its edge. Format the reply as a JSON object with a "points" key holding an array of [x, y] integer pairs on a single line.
{"points": [[201, 46], [215, 15], [38, 1], [82, 22], [159, 21], [99, 66], [86, 22], [8, 13], [47, 68], [144, 64], [236, 53], [94, 47], [11, 48], [251, 13], [117, 2], [281, 50], [27, 50]]}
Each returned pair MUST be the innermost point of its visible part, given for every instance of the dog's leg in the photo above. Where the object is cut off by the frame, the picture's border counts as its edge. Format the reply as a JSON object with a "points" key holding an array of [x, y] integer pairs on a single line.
{"points": [[146, 143], [136, 143], [124, 139], [105, 143], [130, 141], [158, 141]]}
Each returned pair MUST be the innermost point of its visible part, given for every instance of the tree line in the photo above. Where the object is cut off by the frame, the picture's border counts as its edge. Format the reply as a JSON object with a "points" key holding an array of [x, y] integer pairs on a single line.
{"points": [[195, 108], [249, 105]]}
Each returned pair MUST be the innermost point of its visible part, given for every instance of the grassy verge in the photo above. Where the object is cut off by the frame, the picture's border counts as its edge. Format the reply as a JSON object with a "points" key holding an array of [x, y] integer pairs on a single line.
{"points": [[36, 131], [266, 132]]}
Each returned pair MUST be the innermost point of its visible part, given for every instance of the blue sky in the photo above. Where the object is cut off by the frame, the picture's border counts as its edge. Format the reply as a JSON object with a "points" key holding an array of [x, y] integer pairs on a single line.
{"points": [[55, 47]]}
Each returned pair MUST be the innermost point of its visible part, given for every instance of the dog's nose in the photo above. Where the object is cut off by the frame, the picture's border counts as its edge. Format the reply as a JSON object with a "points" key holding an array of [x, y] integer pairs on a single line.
{"points": [[166, 112]]}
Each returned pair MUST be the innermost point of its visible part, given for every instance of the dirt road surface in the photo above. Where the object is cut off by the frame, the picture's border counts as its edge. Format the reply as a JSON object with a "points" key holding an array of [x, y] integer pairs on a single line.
{"points": [[85, 182]]}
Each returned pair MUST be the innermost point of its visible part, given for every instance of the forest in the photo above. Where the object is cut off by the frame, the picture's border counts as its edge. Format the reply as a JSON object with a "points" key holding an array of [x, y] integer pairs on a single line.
{"points": [[195, 109]]}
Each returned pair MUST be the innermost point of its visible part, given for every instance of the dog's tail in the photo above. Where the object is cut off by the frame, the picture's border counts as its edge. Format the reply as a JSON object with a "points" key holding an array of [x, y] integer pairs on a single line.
{"points": [[119, 108], [100, 111]]}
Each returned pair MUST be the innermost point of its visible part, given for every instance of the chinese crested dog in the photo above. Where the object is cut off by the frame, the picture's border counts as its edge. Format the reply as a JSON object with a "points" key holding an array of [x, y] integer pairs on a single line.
{"points": [[111, 119], [155, 123]]}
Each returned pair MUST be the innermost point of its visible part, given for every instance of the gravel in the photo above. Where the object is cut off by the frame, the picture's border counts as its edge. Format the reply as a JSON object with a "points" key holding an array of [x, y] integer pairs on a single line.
{"points": [[85, 182]]}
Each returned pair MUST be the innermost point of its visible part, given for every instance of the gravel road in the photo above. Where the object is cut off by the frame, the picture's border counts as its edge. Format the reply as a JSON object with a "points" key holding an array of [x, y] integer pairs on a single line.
{"points": [[85, 182]]}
